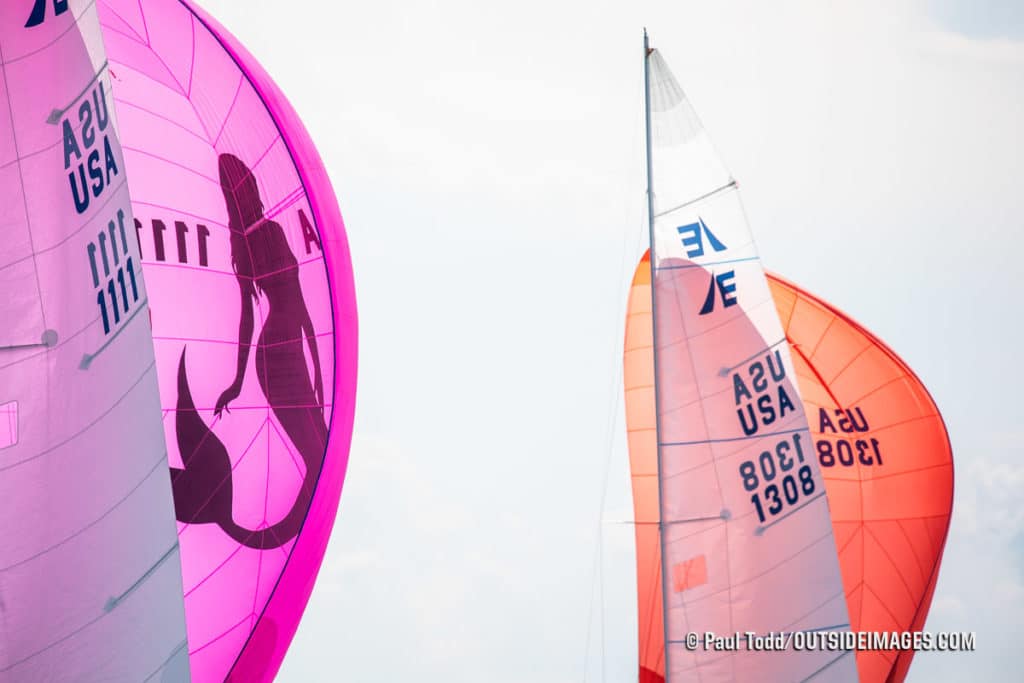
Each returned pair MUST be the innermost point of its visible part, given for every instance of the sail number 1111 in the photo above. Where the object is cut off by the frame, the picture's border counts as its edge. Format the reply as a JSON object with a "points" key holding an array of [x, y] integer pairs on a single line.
{"points": [[106, 251], [784, 475]]}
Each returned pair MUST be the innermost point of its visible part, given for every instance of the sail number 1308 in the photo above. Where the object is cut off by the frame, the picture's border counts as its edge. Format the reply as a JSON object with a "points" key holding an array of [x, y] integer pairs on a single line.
{"points": [[782, 473]]}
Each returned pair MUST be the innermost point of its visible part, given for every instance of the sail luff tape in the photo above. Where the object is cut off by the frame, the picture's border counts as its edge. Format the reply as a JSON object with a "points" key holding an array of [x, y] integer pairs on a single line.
{"points": [[47, 339], [115, 601], [731, 183], [88, 357], [56, 114]]}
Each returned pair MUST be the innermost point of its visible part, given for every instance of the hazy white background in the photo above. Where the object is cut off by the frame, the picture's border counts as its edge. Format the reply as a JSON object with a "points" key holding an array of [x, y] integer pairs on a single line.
{"points": [[488, 161]]}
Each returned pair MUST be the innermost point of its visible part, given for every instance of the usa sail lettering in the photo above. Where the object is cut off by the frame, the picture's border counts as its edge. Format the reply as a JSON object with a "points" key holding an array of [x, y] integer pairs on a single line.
{"points": [[190, 242], [779, 477], [784, 474], [761, 397], [88, 156], [114, 275], [846, 451]]}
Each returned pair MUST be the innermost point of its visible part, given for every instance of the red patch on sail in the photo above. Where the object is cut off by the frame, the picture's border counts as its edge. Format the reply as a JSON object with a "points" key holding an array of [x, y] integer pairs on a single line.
{"points": [[8, 424], [689, 574]]}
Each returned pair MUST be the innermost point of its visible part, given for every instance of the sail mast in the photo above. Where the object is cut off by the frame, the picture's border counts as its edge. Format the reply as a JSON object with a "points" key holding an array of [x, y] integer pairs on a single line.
{"points": [[654, 331]]}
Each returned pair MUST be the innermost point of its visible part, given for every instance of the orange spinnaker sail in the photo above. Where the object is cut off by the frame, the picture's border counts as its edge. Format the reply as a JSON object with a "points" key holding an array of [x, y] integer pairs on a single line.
{"points": [[883, 451]]}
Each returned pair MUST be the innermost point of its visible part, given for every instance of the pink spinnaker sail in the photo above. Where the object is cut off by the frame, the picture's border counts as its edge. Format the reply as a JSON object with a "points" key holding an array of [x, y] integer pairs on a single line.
{"points": [[254, 324], [90, 579]]}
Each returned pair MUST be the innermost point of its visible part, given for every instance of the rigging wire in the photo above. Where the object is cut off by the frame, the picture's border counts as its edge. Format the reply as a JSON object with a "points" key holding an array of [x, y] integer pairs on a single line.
{"points": [[622, 285], [597, 569]]}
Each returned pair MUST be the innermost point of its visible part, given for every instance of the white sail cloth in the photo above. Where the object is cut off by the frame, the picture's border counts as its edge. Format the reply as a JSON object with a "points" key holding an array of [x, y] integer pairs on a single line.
{"points": [[90, 580], [747, 541]]}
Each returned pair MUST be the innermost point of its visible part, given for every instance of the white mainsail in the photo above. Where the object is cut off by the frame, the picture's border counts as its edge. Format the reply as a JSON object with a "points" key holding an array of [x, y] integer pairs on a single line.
{"points": [[746, 537], [90, 579]]}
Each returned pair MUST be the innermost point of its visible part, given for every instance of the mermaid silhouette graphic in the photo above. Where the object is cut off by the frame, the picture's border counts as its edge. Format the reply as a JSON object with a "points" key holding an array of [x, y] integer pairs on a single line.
{"points": [[264, 266]]}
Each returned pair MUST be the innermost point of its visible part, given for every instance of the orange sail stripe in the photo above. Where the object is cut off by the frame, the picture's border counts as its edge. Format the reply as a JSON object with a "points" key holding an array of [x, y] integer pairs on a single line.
{"points": [[643, 465], [883, 451]]}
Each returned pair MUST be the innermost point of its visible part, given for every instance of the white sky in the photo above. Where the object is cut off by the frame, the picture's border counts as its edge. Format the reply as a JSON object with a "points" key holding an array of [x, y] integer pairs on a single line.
{"points": [[488, 162]]}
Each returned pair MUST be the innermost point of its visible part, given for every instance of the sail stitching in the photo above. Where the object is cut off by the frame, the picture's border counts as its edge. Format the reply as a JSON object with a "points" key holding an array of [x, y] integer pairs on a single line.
{"points": [[114, 191], [706, 195], [895, 565], [24, 197], [117, 600], [160, 461], [88, 358], [56, 114], [99, 418], [705, 265], [764, 527], [826, 666], [181, 646], [764, 572], [71, 27], [751, 437]]}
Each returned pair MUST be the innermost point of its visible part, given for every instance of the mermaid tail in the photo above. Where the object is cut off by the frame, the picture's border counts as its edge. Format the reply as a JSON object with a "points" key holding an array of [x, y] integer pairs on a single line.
{"points": [[203, 490]]}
